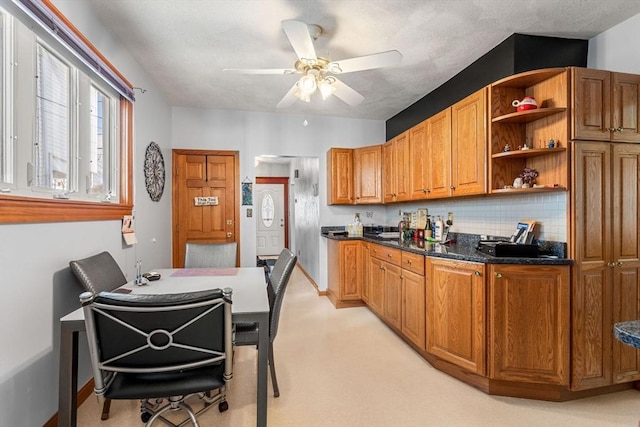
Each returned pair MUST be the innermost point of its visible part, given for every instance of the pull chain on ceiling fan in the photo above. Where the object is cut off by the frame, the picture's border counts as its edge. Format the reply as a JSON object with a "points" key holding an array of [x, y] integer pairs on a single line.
{"points": [[317, 73]]}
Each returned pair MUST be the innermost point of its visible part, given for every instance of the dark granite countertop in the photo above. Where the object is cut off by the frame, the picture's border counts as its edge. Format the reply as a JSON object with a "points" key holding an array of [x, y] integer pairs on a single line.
{"points": [[628, 332], [464, 250]]}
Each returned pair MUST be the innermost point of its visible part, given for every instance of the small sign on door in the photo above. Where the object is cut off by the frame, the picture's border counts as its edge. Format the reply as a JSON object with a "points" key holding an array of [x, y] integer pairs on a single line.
{"points": [[205, 201]]}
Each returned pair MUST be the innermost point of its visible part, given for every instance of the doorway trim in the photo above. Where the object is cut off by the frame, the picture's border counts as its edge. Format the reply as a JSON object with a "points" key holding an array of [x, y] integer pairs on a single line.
{"points": [[285, 182]]}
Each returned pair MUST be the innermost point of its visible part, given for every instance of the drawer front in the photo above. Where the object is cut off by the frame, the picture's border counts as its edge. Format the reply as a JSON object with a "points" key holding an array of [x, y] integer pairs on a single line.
{"points": [[413, 262], [390, 255]]}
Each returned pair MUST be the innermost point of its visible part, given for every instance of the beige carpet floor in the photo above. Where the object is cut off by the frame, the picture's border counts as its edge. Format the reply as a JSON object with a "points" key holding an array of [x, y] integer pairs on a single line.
{"points": [[345, 368]]}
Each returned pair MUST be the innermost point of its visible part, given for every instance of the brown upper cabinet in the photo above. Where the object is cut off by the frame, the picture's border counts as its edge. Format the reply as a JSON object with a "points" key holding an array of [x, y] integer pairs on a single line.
{"points": [[469, 145], [353, 175], [439, 154], [395, 168], [340, 176], [511, 130], [367, 162], [606, 106]]}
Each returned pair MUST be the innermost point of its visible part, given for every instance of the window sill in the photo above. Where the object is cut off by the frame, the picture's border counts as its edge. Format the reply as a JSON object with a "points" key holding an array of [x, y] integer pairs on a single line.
{"points": [[16, 209]]}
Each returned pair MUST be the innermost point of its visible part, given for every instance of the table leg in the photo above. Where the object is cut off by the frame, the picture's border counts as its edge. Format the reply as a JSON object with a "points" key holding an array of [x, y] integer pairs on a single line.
{"points": [[68, 377], [263, 367]]}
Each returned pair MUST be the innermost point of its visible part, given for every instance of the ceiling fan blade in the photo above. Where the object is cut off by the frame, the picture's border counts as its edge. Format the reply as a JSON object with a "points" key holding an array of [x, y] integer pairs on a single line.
{"points": [[298, 34], [289, 98], [367, 62], [346, 93], [261, 70]]}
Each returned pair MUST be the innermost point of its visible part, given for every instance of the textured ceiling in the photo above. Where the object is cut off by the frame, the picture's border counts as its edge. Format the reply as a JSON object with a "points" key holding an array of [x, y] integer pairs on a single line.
{"points": [[185, 44]]}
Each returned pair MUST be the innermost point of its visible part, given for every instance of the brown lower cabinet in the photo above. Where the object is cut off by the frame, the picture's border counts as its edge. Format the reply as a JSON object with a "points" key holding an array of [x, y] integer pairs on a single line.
{"points": [[456, 313], [503, 328], [529, 323]]}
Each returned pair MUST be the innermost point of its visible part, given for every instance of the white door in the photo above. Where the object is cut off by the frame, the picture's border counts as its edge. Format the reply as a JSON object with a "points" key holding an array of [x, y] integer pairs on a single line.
{"points": [[270, 226]]}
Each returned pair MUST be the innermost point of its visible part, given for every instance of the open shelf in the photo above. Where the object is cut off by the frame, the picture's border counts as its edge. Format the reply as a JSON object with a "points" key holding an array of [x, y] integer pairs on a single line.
{"points": [[529, 78], [531, 152], [527, 116], [526, 190]]}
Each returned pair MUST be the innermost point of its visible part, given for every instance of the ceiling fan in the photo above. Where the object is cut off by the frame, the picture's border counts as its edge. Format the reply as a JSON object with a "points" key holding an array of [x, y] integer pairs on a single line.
{"points": [[318, 74]]}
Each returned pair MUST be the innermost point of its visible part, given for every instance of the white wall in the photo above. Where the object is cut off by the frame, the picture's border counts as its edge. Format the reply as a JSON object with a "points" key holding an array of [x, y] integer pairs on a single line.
{"points": [[36, 286], [253, 133], [617, 49]]}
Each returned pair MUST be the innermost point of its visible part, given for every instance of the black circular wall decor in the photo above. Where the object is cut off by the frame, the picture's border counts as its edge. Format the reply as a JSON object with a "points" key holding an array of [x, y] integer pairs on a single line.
{"points": [[154, 171]]}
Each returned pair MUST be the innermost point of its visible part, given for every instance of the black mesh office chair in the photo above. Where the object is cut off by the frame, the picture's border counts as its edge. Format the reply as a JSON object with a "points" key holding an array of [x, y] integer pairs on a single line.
{"points": [[247, 333], [204, 255], [99, 273], [161, 347]]}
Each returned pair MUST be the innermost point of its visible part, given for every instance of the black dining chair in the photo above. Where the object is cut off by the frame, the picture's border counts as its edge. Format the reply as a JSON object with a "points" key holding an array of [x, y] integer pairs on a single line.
{"points": [[161, 349], [99, 273], [247, 333]]}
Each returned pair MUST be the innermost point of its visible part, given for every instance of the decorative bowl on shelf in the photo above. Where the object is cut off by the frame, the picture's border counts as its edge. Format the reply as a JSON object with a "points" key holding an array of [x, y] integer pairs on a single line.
{"points": [[527, 103]]}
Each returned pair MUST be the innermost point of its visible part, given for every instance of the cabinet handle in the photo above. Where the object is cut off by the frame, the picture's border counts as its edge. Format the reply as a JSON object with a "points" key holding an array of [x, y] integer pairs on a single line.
{"points": [[452, 187], [381, 267], [229, 234], [611, 264], [619, 129], [424, 190], [408, 261], [619, 263], [389, 255], [611, 129], [499, 275], [477, 273]]}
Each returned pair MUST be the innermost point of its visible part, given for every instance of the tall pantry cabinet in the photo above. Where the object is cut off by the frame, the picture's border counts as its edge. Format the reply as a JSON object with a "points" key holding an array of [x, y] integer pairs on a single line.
{"points": [[605, 235]]}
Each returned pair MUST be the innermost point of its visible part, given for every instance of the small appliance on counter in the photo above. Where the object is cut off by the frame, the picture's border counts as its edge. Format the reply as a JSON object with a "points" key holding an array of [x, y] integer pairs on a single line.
{"points": [[504, 248], [520, 245]]}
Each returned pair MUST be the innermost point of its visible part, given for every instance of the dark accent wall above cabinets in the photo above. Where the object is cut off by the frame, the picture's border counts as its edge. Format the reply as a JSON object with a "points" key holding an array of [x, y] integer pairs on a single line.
{"points": [[516, 54]]}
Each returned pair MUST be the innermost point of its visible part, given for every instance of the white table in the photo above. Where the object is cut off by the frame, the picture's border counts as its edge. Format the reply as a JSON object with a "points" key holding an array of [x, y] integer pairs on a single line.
{"points": [[250, 304]]}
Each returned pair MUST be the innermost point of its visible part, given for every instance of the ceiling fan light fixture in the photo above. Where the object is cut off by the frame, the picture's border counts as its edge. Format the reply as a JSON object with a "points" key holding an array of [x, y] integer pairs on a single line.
{"points": [[326, 87]]}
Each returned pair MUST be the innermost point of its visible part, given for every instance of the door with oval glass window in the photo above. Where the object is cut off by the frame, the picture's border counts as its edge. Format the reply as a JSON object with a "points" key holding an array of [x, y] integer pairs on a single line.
{"points": [[272, 223]]}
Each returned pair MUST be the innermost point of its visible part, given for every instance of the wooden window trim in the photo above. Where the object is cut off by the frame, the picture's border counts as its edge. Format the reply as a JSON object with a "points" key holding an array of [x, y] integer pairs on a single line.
{"points": [[20, 209]]}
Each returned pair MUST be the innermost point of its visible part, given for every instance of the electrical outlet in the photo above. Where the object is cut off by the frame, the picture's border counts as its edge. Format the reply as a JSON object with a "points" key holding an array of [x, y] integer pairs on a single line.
{"points": [[450, 218]]}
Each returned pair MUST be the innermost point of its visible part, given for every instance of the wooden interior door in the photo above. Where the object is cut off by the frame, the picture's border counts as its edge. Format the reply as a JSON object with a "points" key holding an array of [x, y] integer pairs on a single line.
{"points": [[199, 174]]}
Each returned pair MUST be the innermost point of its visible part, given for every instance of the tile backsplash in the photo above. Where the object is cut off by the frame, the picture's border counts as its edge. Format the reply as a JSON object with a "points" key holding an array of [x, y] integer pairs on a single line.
{"points": [[498, 215]]}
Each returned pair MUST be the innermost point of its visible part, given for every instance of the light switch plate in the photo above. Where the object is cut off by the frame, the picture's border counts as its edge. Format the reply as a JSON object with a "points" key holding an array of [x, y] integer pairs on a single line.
{"points": [[249, 213]]}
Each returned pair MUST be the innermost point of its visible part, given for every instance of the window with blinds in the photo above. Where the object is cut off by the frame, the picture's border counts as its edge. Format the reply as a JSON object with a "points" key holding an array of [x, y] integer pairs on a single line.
{"points": [[52, 143], [65, 128]]}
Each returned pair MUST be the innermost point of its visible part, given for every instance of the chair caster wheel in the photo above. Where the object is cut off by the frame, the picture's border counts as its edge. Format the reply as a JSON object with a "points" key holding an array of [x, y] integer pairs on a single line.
{"points": [[145, 416], [223, 406]]}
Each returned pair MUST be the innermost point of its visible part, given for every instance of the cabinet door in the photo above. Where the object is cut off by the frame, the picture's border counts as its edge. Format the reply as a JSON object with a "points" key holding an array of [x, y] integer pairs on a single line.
{"points": [[364, 290], [591, 287], [393, 295], [389, 172], [376, 285], [469, 145], [402, 168], [439, 154], [591, 104], [625, 239], [350, 270], [529, 323], [413, 308], [340, 176], [625, 113], [367, 165], [456, 313], [419, 164]]}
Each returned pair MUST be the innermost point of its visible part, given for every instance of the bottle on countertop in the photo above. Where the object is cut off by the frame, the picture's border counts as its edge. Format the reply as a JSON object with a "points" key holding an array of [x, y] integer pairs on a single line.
{"points": [[358, 226], [428, 231], [438, 228]]}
